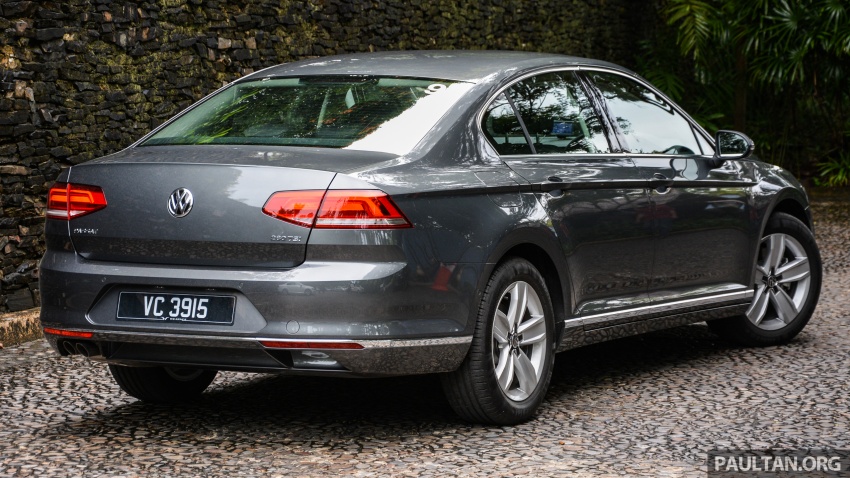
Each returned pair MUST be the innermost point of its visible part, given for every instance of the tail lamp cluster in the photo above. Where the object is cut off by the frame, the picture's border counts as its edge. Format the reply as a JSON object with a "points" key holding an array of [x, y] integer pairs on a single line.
{"points": [[337, 209], [332, 209], [67, 200]]}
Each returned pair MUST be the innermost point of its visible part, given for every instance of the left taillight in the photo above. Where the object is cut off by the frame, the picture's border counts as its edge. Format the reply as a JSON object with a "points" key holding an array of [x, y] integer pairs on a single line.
{"points": [[68, 200]]}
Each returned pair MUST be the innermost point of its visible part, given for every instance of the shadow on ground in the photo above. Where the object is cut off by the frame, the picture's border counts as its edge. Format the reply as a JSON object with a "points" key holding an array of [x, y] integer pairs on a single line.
{"points": [[264, 407]]}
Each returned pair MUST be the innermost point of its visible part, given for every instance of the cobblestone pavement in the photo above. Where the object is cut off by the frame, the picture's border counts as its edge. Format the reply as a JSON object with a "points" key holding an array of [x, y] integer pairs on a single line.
{"points": [[651, 405]]}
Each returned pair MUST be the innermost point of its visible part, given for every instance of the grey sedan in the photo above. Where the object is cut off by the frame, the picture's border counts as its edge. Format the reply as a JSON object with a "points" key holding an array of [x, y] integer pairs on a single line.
{"points": [[462, 213]]}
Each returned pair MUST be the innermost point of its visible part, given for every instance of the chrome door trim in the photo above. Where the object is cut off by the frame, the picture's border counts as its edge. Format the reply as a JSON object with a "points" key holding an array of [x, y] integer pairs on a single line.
{"points": [[671, 307]]}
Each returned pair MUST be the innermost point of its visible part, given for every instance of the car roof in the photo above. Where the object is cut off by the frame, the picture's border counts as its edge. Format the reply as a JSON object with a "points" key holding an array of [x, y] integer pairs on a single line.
{"points": [[475, 66]]}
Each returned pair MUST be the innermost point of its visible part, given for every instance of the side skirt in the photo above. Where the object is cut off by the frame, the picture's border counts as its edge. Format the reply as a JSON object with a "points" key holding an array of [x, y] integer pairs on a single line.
{"points": [[574, 334]]}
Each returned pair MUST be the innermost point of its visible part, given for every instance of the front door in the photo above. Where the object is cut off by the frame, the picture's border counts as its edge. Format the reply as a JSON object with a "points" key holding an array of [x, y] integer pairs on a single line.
{"points": [[701, 209]]}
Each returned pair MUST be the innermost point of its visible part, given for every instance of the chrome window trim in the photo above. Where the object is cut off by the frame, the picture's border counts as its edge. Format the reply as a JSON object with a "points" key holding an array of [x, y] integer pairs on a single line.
{"points": [[638, 79], [565, 156], [479, 117], [562, 156]]}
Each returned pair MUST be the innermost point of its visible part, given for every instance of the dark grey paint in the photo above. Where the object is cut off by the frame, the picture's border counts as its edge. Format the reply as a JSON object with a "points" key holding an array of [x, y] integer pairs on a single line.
{"points": [[410, 295]]}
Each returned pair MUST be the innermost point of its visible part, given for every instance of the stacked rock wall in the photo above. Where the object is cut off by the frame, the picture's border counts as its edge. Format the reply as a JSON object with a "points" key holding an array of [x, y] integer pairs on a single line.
{"points": [[83, 78]]}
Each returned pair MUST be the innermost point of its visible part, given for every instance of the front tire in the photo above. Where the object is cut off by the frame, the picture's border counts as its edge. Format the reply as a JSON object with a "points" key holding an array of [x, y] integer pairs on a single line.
{"points": [[787, 286], [162, 384], [506, 373]]}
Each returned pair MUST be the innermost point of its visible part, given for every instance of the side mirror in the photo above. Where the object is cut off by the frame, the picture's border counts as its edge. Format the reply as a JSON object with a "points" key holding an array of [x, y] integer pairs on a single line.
{"points": [[733, 145]]}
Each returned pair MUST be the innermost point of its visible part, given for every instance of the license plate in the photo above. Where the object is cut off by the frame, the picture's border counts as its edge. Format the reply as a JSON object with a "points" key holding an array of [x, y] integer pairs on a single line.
{"points": [[206, 309]]}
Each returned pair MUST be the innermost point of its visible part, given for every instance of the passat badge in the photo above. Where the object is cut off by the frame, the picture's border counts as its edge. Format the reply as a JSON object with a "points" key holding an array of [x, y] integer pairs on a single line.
{"points": [[180, 203]]}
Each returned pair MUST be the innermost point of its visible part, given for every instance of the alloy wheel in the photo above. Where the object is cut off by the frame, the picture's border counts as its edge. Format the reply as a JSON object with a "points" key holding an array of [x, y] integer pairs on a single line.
{"points": [[782, 282], [519, 341]]}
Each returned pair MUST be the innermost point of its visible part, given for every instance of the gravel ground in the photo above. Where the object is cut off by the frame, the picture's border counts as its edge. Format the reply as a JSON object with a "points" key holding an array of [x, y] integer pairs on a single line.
{"points": [[651, 405]]}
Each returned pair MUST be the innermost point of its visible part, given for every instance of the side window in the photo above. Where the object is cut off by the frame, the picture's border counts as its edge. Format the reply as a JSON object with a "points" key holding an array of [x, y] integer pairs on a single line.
{"points": [[648, 122], [704, 144], [502, 128], [558, 115]]}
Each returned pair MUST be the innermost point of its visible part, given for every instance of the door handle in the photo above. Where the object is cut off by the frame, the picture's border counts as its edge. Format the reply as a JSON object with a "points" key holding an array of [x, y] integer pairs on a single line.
{"points": [[553, 186], [661, 182]]}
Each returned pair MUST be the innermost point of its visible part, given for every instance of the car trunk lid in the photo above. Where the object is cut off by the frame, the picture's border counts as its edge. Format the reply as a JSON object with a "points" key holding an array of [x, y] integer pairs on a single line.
{"points": [[225, 226]]}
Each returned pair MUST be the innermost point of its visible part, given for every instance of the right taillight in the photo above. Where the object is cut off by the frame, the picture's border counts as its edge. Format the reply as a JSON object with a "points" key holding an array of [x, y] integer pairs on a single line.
{"points": [[359, 209], [337, 209], [68, 200]]}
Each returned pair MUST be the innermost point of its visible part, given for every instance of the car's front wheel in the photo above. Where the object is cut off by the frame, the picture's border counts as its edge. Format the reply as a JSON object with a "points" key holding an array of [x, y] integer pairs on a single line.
{"points": [[507, 371], [787, 280], [162, 384]]}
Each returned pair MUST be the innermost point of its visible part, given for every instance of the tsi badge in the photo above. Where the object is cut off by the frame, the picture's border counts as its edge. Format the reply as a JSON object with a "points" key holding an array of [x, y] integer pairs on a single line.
{"points": [[180, 203], [283, 238]]}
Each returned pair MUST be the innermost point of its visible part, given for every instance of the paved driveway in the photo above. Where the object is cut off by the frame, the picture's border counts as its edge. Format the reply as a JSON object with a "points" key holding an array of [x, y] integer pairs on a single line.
{"points": [[649, 405]]}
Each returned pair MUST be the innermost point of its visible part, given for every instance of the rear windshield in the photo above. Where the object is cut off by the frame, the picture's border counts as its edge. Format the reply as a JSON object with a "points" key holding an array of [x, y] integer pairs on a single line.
{"points": [[365, 113]]}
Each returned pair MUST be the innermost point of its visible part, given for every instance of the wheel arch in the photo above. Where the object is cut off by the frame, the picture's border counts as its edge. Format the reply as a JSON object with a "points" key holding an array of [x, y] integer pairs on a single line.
{"points": [[791, 201], [541, 249], [792, 206]]}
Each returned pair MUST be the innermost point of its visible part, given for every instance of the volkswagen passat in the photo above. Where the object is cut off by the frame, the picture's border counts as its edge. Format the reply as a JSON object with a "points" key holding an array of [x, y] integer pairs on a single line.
{"points": [[462, 213]]}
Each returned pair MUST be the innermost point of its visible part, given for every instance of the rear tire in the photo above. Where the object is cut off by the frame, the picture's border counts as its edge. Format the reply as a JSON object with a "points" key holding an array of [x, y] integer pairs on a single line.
{"points": [[787, 286], [506, 373], [162, 384]]}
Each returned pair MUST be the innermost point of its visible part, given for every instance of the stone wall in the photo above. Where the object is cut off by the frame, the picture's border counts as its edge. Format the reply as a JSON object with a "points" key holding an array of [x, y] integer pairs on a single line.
{"points": [[83, 78]]}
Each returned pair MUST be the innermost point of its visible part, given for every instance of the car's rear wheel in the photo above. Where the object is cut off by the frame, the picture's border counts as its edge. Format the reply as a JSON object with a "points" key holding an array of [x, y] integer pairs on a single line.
{"points": [[787, 282], [506, 373], [162, 384]]}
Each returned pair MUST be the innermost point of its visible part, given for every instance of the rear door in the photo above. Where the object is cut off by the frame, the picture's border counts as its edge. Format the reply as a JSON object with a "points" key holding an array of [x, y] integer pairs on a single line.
{"points": [[595, 198], [701, 210]]}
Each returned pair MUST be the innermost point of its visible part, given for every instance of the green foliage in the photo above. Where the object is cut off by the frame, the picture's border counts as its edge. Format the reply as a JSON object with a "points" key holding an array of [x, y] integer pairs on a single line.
{"points": [[802, 41], [697, 21], [664, 66], [655, 68], [778, 68], [835, 171]]}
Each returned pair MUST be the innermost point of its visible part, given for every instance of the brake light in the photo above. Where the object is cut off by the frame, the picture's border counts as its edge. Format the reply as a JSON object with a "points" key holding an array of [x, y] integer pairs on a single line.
{"points": [[297, 207], [67, 200], [371, 209], [337, 209]]}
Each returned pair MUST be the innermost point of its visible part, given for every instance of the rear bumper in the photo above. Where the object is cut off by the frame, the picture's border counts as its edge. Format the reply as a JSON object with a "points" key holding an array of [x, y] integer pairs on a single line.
{"points": [[375, 358], [405, 321]]}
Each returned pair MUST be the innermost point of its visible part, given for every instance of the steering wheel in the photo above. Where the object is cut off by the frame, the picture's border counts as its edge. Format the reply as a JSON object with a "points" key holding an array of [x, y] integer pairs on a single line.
{"points": [[577, 143], [678, 149]]}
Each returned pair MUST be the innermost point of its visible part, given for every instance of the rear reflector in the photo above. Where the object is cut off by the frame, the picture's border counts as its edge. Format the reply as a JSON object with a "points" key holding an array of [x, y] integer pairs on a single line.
{"points": [[285, 344], [337, 209], [68, 333], [67, 200]]}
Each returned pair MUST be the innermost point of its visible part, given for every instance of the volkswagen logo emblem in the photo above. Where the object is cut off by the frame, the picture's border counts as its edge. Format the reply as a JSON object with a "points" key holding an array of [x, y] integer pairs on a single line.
{"points": [[180, 203]]}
